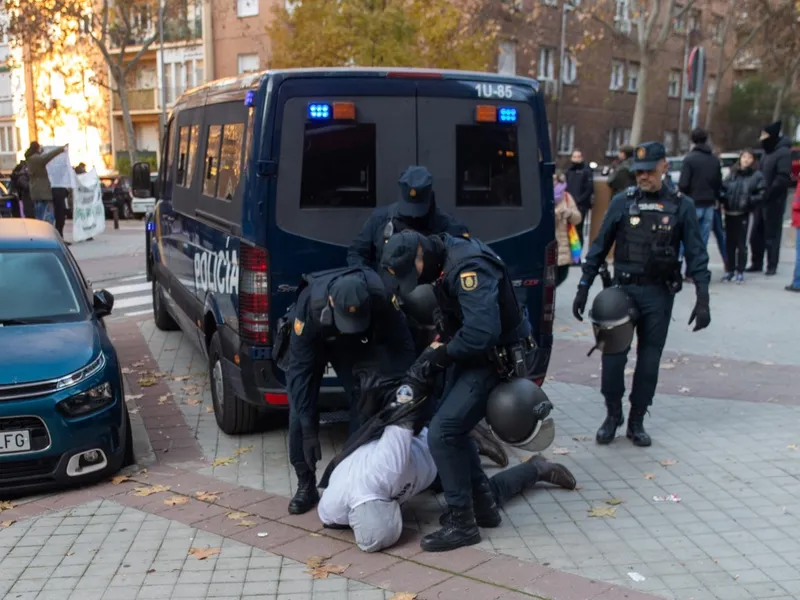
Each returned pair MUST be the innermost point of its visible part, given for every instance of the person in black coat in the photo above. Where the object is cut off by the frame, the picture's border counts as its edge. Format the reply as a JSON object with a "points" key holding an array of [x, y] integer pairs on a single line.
{"points": [[744, 192], [701, 180], [776, 166], [580, 186]]}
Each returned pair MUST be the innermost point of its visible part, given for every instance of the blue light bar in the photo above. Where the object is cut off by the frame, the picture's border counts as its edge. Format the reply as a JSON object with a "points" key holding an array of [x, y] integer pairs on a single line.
{"points": [[151, 226], [250, 98], [507, 115], [317, 112], [8, 204]]}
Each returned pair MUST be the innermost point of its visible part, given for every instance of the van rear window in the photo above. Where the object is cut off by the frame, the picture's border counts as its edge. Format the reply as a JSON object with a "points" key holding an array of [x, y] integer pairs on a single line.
{"points": [[487, 166], [338, 166]]}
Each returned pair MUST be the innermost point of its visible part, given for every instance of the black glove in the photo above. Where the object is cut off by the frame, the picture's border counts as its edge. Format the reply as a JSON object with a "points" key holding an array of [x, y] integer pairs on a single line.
{"points": [[579, 305], [438, 358], [701, 313], [312, 451]]}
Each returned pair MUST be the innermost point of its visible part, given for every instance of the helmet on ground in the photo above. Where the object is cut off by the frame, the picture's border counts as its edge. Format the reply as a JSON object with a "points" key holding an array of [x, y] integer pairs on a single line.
{"points": [[420, 305], [613, 316], [517, 413]]}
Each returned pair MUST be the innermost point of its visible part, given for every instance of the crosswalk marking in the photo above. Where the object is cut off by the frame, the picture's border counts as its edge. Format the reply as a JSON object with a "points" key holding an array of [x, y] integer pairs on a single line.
{"points": [[135, 301], [129, 289], [132, 295]]}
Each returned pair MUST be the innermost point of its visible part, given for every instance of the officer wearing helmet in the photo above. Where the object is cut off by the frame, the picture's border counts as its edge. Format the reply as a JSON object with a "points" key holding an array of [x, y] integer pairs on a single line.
{"points": [[486, 338], [648, 223]]}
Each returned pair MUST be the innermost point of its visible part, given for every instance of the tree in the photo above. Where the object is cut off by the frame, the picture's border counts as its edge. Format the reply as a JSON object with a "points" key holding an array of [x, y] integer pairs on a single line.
{"points": [[646, 25], [49, 27], [781, 47], [751, 106]]}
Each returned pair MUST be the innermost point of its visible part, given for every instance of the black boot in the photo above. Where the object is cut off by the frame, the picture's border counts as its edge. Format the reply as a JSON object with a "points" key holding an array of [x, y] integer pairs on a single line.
{"points": [[306, 496], [487, 513], [460, 529], [636, 432], [554, 473], [614, 419]]}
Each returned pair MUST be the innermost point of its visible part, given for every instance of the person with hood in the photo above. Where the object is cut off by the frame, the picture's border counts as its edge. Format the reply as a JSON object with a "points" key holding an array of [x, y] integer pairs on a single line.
{"points": [[622, 176], [776, 166], [701, 180], [580, 186], [567, 213], [744, 191], [40, 190]]}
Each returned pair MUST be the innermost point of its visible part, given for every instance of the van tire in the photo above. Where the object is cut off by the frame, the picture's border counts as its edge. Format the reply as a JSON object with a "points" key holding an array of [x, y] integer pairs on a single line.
{"points": [[234, 416], [162, 318]]}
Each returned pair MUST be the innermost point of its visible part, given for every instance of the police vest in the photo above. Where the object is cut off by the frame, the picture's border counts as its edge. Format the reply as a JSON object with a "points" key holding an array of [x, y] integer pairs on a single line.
{"points": [[395, 225], [319, 285], [458, 255], [648, 235]]}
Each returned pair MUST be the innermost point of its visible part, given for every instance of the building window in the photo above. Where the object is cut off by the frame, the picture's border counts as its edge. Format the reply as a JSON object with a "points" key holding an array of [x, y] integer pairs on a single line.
{"points": [[8, 139], [687, 93], [619, 136], [507, 58], [679, 21], [669, 142], [566, 139], [683, 142], [246, 8], [141, 18], [674, 89], [550, 2], [248, 63], [719, 26], [622, 16], [569, 70], [633, 77], [711, 87], [617, 75], [693, 22], [546, 63]]}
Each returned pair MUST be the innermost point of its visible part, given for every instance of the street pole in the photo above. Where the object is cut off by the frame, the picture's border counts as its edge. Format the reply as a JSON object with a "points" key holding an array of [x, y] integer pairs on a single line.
{"points": [[161, 11], [683, 92], [562, 51], [699, 81]]}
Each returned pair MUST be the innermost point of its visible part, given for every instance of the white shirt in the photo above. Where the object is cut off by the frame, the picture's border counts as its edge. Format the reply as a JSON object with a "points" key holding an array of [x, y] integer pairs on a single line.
{"points": [[398, 466]]}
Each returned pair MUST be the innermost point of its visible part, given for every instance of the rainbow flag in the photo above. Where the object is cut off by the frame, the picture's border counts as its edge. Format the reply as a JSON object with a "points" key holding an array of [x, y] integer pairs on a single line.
{"points": [[574, 243]]}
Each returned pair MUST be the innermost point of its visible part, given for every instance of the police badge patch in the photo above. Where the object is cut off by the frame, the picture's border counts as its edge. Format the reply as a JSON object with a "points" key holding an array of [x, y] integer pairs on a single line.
{"points": [[641, 153], [635, 221], [469, 281], [298, 327]]}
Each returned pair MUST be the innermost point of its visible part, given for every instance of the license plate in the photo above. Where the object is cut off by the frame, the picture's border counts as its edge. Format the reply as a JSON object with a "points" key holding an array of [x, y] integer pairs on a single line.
{"points": [[329, 372], [15, 441]]}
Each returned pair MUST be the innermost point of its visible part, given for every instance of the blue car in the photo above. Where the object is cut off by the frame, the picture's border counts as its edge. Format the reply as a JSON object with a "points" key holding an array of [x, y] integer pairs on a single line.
{"points": [[63, 418]]}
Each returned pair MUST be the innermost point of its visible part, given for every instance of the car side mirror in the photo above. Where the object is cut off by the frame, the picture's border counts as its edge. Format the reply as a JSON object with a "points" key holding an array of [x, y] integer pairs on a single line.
{"points": [[140, 177], [103, 303]]}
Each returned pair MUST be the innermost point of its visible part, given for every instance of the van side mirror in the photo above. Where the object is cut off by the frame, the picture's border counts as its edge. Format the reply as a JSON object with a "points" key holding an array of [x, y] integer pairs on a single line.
{"points": [[103, 303], [140, 177]]}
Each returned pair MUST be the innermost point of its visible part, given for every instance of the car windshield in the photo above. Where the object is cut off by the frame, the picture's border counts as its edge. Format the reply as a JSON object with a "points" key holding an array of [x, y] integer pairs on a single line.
{"points": [[36, 288]]}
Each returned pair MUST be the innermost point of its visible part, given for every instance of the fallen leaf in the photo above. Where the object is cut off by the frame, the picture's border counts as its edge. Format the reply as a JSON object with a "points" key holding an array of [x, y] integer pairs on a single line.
{"points": [[403, 596], [315, 561], [6, 523], [193, 401], [323, 571], [126, 370], [247, 523], [134, 396], [147, 381], [206, 496], [561, 451], [117, 479], [203, 553], [235, 516], [684, 390], [792, 447], [602, 511], [149, 571], [315, 535], [223, 462], [181, 378], [582, 438], [667, 365], [138, 364], [667, 462], [209, 409], [244, 450], [614, 501], [164, 399], [649, 476], [148, 491], [175, 500]]}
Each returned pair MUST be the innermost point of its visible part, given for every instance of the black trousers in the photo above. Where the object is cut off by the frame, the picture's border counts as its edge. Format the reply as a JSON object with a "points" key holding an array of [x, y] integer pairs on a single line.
{"points": [[505, 484], [736, 242], [584, 210], [766, 234], [60, 208]]}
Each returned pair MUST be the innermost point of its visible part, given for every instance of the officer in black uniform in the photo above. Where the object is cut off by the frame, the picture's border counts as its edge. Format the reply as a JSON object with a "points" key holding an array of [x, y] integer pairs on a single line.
{"points": [[648, 222], [342, 316], [486, 339]]}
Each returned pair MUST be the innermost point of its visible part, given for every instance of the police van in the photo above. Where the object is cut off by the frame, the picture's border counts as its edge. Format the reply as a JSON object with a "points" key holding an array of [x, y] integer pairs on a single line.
{"points": [[270, 175]]}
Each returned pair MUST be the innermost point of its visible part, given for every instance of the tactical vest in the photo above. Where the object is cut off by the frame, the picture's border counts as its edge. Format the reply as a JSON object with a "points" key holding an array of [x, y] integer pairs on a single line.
{"points": [[319, 285], [457, 256], [649, 234], [395, 224]]}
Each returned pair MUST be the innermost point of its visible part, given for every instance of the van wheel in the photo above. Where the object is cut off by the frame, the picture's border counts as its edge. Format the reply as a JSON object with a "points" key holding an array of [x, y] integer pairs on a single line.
{"points": [[163, 319], [127, 211], [234, 416], [129, 457]]}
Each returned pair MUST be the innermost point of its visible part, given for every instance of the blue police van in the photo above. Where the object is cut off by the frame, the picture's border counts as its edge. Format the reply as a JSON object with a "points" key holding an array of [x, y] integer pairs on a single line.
{"points": [[270, 175]]}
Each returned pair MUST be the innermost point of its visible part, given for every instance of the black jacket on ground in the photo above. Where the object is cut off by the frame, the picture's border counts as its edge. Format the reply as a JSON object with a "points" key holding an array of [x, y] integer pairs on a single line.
{"points": [[701, 176], [580, 185], [744, 190], [777, 169]]}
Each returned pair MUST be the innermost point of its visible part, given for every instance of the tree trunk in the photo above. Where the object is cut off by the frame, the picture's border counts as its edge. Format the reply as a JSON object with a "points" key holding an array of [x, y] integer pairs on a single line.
{"points": [[776, 111], [130, 137], [640, 108]]}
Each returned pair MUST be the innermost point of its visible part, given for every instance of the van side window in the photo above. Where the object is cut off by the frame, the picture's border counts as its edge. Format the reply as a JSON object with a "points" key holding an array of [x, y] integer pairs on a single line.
{"points": [[338, 166], [487, 166], [230, 166], [211, 164], [187, 154], [169, 150]]}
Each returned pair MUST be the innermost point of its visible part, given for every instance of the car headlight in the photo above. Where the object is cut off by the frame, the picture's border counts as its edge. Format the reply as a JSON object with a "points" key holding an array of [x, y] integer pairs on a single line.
{"points": [[87, 402]]}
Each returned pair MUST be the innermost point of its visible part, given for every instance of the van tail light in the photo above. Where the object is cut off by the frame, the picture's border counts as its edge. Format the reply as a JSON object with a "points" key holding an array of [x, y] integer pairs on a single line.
{"points": [[254, 295], [549, 303]]}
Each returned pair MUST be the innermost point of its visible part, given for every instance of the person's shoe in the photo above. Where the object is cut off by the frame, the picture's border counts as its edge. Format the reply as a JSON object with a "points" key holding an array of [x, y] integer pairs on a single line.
{"points": [[614, 420], [753, 269], [636, 432], [740, 277], [554, 473], [791, 288], [306, 496], [458, 530], [771, 272], [488, 445], [727, 277]]}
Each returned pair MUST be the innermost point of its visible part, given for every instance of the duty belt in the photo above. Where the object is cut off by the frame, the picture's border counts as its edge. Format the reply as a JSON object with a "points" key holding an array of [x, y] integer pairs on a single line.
{"points": [[510, 359], [641, 279]]}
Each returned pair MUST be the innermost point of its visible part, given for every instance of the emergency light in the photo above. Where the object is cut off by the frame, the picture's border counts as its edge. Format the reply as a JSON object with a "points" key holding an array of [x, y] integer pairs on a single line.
{"points": [[340, 111], [488, 113], [151, 226], [8, 204], [318, 112], [249, 98], [507, 115]]}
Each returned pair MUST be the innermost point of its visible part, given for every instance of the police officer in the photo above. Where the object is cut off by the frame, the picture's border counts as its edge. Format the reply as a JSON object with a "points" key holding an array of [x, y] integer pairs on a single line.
{"points": [[342, 316], [648, 222], [486, 339]]}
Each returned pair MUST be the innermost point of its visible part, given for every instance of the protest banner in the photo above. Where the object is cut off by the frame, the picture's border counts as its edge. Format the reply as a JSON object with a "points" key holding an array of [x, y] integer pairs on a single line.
{"points": [[60, 171], [88, 214]]}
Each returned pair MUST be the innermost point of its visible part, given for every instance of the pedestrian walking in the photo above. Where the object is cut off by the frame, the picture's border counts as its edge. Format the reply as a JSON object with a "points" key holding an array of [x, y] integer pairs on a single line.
{"points": [[622, 177], [40, 190], [568, 220], [795, 285], [580, 185], [701, 180], [776, 166], [744, 192], [20, 185], [647, 223]]}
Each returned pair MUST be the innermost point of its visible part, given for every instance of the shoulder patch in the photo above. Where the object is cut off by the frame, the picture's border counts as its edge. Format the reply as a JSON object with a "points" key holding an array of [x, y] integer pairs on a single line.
{"points": [[395, 303], [465, 235], [298, 327], [469, 280]]}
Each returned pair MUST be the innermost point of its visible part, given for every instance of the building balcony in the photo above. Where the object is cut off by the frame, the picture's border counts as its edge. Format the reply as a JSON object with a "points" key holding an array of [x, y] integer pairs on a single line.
{"points": [[175, 31], [147, 99]]}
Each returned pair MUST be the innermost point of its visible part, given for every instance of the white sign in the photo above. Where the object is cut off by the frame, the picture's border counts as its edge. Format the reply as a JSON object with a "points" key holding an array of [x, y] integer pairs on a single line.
{"points": [[15, 441], [60, 171], [88, 214], [216, 271]]}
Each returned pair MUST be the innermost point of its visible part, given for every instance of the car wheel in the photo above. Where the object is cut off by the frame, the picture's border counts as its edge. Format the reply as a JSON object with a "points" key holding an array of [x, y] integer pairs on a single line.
{"points": [[163, 319], [127, 211], [234, 416], [129, 457]]}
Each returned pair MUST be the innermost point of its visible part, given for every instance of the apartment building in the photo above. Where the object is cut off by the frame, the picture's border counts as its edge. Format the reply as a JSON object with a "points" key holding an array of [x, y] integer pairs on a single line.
{"points": [[13, 117]]}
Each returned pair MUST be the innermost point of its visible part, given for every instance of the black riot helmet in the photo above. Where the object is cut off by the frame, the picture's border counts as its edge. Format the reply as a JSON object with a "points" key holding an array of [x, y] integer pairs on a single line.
{"points": [[613, 316], [420, 304], [517, 412]]}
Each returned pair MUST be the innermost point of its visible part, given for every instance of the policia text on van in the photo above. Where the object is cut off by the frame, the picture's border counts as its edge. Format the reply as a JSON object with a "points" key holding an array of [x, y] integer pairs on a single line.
{"points": [[271, 175]]}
